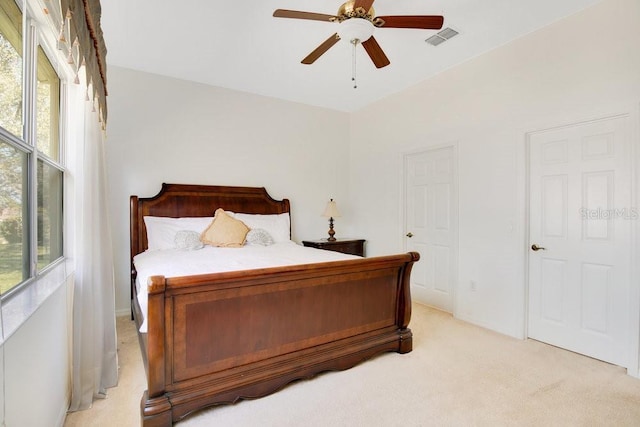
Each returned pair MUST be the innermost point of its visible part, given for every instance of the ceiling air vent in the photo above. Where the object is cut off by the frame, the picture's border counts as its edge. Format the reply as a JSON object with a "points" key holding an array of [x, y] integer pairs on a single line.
{"points": [[441, 36]]}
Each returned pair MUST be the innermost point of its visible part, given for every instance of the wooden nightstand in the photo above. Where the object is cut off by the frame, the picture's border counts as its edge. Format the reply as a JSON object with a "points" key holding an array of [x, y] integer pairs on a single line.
{"points": [[346, 246]]}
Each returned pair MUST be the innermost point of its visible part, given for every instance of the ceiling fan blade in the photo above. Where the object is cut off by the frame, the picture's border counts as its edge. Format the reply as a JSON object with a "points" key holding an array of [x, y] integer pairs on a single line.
{"points": [[375, 53], [320, 50], [296, 14], [427, 22], [365, 4]]}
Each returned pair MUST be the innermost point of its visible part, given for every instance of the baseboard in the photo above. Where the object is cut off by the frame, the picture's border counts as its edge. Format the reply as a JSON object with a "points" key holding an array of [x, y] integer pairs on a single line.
{"points": [[123, 312]]}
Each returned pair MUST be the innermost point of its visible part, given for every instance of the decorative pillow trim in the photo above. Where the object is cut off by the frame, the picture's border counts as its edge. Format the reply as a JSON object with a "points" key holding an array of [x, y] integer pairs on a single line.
{"points": [[188, 240], [258, 236]]}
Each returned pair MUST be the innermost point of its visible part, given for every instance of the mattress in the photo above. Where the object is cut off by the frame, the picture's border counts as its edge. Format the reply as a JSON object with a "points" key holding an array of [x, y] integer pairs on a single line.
{"points": [[176, 262]]}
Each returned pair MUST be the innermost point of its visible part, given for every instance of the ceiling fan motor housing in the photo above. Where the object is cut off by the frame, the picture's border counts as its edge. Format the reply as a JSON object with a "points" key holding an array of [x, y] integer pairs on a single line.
{"points": [[348, 10]]}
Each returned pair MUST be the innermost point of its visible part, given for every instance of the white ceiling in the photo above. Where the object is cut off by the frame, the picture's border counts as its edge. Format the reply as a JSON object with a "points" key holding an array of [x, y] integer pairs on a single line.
{"points": [[241, 46]]}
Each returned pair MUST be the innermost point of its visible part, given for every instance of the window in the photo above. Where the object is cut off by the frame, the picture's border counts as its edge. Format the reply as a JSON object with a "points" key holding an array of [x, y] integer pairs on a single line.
{"points": [[31, 174], [11, 67], [48, 107], [14, 242], [49, 214]]}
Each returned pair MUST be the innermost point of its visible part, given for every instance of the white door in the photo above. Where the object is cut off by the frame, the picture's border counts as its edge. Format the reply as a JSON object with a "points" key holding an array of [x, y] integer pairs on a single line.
{"points": [[431, 225], [581, 214]]}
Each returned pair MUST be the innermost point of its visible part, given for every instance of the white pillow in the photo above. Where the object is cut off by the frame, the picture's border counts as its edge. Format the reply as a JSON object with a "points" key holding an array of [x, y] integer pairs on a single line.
{"points": [[161, 231], [277, 225]]}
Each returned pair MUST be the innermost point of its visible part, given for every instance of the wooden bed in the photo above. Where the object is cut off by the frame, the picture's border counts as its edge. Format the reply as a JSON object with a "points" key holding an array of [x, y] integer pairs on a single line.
{"points": [[217, 338]]}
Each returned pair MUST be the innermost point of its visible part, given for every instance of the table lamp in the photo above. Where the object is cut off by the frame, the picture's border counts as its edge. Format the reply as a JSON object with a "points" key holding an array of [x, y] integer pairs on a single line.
{"points": [[331, 212]]}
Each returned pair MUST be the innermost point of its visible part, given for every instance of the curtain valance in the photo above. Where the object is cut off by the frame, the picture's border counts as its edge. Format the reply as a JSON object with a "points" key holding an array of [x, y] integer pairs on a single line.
{"points": [[82, 23]]}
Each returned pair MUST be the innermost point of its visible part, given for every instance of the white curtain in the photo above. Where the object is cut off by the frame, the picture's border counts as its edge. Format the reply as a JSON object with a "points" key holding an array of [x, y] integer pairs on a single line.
{"points": [[95, 360]]}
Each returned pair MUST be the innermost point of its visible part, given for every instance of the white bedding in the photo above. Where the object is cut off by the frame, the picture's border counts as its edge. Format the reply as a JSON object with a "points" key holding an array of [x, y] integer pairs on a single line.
{"points": [[176, 262]]}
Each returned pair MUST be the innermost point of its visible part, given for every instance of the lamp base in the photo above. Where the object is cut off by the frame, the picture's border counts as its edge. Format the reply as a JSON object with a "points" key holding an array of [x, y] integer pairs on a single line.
{"points": [[331, 232]]}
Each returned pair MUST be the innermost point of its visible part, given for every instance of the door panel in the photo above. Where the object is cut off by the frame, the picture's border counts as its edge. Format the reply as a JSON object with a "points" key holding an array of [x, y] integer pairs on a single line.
{"points": [[430, 218], [579, 285]]}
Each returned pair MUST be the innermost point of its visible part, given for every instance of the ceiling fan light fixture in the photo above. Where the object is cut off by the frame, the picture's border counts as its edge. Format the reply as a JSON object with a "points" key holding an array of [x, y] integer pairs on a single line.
{"points": [[356, 29]]}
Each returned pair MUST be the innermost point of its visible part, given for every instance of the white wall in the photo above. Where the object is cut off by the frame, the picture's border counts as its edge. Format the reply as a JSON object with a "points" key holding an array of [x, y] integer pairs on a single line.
{"points": [[580, 68], [36, 361], [167, 130]]}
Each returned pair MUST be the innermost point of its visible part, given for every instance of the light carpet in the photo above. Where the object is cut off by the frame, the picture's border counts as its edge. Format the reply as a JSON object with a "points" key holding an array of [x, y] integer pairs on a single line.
{"points": [[457, 375]]}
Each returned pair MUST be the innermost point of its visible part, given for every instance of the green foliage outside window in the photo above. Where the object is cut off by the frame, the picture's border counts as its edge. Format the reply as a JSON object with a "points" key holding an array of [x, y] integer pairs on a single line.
{"points": [[11, 67], [19, 176], [12, 211]]}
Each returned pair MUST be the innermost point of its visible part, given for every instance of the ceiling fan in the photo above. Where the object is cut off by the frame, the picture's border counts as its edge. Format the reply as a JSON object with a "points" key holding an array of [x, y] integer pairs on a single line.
{"points": [[357, 21]]}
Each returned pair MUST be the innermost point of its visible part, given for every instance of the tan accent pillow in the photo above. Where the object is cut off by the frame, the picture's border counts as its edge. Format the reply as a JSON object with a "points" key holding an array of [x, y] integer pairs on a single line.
{"points": [[224, 231]]}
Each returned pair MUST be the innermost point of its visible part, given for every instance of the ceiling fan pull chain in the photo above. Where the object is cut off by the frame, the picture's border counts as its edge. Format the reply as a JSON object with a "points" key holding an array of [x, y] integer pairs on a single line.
{"points": [[354, 42]]}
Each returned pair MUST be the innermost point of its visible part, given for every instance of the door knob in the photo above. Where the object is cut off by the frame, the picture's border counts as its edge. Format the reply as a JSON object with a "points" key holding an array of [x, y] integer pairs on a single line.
{"points": [[537, 248], [409, 234]]}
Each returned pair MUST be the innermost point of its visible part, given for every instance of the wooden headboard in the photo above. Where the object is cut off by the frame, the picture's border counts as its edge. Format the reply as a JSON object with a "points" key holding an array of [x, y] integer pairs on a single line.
{"points": [[180, 200]]}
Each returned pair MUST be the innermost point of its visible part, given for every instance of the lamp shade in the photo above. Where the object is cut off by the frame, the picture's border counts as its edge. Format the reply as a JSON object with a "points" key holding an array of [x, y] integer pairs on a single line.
{"points": [[331, 211]]}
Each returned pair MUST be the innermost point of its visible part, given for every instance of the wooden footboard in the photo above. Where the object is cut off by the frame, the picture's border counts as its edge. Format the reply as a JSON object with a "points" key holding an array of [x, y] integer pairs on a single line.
{"points": [[218, 338]]}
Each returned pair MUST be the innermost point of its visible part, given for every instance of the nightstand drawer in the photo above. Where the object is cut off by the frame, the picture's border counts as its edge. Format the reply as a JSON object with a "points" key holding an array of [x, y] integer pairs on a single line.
{"points": [[346, 246]]}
